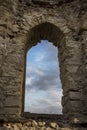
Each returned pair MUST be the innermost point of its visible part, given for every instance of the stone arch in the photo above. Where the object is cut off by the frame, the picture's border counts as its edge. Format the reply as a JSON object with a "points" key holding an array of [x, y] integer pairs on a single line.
{"points": [[44, 31], [68, 58], [50, 32], [44, 16]]}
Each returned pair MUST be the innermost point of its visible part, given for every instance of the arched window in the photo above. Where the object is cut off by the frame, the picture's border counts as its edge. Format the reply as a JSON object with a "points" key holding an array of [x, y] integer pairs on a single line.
{"points": [[40, 35], [43, 89]]}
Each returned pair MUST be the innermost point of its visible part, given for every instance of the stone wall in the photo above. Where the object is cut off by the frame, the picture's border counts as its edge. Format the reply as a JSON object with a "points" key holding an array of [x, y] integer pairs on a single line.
{"points": [[37, 125], [20, 24], [40, 124]]}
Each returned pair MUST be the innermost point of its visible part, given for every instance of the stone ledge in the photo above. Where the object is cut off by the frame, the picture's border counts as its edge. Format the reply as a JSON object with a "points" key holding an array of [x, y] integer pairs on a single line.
{"points": [[29, 117]]}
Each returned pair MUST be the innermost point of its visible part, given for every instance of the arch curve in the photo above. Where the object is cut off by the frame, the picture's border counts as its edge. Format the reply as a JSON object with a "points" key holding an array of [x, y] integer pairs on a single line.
{"points": [[44, 31]]}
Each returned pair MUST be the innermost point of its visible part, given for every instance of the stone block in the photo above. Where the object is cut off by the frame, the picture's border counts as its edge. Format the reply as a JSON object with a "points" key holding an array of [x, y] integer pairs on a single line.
{"points": [[84, 26], [75, 95], [2, 112], [9, 111], [64, 100], [75, 106], [54, 125], [1, 104], [3, 128], [41, 124], [13, 101]]}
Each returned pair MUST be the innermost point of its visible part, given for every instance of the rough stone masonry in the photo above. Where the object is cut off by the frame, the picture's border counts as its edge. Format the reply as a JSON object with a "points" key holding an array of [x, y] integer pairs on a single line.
{"points": [[23, 23]]}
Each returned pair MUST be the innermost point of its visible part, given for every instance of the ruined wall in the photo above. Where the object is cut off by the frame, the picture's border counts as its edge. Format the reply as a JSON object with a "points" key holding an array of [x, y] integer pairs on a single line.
{"points": [[40, 125], [17, 18]]}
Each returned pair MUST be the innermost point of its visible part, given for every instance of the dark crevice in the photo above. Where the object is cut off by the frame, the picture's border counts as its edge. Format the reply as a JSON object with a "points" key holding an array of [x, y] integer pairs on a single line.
{"points": [[60, 2], [1, 123], [20, 1], [45, 4], [82, 125], [42, 116]]}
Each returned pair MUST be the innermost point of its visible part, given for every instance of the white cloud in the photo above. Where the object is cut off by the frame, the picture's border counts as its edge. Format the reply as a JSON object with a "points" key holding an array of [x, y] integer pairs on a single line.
{"points": [[43, 86], [29, 80], [40, 104]]}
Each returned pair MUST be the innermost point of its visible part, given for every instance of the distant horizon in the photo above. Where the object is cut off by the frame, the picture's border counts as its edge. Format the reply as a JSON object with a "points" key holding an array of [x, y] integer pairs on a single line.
{"points": [[43, 89]]}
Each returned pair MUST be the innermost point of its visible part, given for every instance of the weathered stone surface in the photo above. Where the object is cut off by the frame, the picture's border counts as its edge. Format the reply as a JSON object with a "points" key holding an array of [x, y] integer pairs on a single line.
{"points": [[34, 124], [11, 111], [54, 125], [41, 124], [3, 128], [23, 23], [12, 101], [24, 126], [75, 95]]}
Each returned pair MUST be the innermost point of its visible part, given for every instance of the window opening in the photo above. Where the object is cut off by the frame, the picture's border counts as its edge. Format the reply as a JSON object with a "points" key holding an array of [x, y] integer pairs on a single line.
{"points": [[43, 89]]}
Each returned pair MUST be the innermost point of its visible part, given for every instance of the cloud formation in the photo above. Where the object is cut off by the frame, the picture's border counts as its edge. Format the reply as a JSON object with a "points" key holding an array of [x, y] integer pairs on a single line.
{"points": [[43, 86]]}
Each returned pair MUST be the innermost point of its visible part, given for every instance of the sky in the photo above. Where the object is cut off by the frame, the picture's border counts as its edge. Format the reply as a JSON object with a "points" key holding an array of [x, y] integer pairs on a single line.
{"points": [[43, 89]]}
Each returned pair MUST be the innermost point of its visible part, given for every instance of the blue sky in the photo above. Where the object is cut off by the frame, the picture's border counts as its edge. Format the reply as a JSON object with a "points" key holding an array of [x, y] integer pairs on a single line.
{"points": [[43, 86]]}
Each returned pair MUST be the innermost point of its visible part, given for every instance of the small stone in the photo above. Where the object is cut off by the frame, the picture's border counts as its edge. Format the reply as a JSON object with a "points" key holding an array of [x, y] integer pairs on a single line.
{"points": [[41, 123], [42, 128], [66, 30], [16, 127], [54, 125], [19, 125], [25, 128], [28, 124], [25, 28], [10, 33], [85, 25], [31, 128], [34, 124], [49, 128], [8, 126], [15, 28]]}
